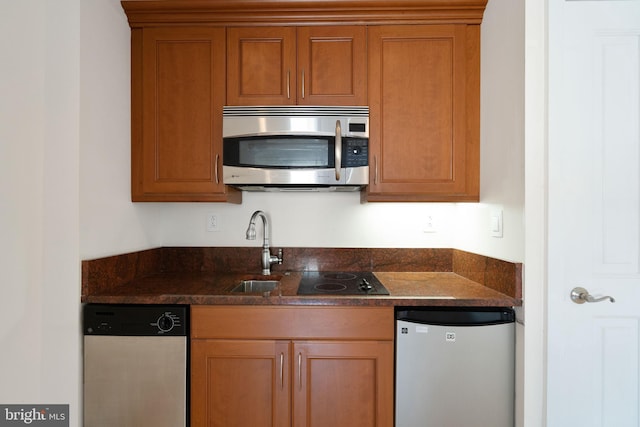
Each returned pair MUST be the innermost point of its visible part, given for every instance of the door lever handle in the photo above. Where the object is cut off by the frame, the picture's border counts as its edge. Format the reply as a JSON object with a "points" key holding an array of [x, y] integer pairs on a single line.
{"points": [[580, 295]]}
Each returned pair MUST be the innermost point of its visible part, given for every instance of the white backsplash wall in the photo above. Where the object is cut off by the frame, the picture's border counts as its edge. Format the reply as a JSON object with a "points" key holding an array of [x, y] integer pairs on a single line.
{"points": [[340, 220], [311, 220]]}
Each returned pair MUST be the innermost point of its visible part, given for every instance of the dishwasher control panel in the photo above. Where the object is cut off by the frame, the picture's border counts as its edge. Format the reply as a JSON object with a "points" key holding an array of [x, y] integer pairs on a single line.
{"points": [[135, 320]]}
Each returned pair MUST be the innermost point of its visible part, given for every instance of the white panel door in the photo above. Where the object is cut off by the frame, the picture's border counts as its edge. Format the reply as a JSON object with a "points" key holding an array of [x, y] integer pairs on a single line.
{"points": [[594, 213]]}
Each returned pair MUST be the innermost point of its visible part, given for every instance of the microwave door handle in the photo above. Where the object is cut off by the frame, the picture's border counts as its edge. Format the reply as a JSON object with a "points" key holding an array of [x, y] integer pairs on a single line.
{"points": [[338, 151]]}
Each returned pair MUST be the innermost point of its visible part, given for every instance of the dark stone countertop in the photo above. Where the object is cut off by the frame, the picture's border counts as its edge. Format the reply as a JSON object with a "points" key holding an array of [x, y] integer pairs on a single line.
{"points": [[190, 276]]}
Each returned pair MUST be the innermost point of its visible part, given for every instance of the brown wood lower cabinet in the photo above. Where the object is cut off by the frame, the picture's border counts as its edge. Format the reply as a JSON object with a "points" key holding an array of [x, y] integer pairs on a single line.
{"points": [[240, 383], [343, 383], [284, 376]]}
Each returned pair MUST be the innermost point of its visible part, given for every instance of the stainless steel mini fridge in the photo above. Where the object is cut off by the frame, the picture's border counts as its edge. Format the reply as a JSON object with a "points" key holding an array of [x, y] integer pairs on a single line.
{"points": [[455, 368]]}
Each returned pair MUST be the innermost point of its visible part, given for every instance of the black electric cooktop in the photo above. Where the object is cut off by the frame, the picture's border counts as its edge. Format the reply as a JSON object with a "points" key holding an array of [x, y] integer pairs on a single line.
{"points": [[340, 283]]}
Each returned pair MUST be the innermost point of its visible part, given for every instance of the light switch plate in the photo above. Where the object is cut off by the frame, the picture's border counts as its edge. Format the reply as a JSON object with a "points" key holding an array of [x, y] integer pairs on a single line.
{"points": [[495, 223]]}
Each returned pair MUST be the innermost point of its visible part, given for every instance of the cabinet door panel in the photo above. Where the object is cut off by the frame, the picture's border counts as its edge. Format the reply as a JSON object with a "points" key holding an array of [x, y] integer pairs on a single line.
{"points": [[343, 383], [424, 141], [332, 65], [430, 75], [178, 93], [240, 383], [184, 115], [308, 65], [261, 66]]}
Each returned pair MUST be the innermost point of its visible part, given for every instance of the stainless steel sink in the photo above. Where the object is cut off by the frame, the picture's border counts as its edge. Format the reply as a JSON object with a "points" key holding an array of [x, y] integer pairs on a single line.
{"points": [[255, 286]]}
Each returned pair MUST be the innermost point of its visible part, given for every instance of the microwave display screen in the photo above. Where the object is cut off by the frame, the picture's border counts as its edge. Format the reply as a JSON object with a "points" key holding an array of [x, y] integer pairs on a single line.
{"points": [[285, 152]]}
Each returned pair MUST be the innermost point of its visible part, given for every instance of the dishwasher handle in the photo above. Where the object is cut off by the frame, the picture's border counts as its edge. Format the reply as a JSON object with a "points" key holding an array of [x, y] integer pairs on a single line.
{"points": [[476, 316]]}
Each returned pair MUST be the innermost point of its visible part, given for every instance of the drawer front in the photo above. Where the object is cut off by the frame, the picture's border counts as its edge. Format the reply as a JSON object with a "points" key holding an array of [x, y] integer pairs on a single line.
{"points": [[232, 322]]}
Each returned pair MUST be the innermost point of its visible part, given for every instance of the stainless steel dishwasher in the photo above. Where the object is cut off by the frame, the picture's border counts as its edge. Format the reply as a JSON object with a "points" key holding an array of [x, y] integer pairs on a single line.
{"points": [[135, 365], [455, 367]]}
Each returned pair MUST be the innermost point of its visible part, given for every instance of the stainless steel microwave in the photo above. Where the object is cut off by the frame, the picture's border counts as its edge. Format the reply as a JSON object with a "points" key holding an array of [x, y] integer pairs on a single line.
{"points": [[296, 148]]}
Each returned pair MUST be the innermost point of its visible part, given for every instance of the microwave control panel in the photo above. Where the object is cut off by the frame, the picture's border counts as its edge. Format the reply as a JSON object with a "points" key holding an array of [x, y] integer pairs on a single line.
{"points": [[355, 152]]}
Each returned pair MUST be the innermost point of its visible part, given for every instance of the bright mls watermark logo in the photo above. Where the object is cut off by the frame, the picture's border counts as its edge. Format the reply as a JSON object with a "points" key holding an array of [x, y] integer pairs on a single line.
{"points": [[36, 415]]}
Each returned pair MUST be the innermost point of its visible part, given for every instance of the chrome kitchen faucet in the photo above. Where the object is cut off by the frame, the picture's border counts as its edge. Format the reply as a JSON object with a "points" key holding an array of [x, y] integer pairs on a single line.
{"points": [[267, 258]]}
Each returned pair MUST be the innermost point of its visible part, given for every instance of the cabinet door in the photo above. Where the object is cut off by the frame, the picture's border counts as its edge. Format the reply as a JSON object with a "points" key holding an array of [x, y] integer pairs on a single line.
{"points": [[240, 383], [308, 65], [261, 68], [177, 97], [424, 110], [342, 383], [332, 65]]}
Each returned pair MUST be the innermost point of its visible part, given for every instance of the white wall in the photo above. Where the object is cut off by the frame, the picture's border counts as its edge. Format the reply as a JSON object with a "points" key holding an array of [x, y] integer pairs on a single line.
{"points": [[310, 220], [109, 222], [39, 178], [501, 137], [21, 184], [536, 189]]}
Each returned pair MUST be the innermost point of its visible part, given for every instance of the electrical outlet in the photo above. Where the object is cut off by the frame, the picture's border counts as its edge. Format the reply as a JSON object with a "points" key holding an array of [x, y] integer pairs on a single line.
{"points": [[212, 222], [429, 224]]}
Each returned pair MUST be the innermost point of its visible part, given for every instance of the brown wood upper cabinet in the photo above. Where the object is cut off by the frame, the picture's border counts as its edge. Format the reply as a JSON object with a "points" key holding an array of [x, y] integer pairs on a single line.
{"points": [[178, 90], [415, 63], [424, 95], [320, 65]]}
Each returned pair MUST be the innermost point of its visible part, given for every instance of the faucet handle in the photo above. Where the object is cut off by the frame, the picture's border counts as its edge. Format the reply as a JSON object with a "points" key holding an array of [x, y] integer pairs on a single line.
{"points": [[269, 259]]}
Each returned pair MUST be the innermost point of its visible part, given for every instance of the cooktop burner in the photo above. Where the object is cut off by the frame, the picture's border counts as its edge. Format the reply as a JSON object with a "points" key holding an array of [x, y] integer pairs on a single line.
{"points": [[340, 283]]}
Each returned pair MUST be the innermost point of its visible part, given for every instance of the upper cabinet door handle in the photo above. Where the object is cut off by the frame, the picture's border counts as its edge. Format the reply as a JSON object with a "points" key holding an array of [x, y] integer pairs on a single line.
{"points": [[299, 371], [375, 170], [288, 84], [215, 172], [303, 83], [282, 370], [580, 295]]}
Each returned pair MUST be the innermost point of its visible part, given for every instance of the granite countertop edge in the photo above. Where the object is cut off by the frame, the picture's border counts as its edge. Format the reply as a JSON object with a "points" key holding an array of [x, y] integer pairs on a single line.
{"points": [[444, 289]]}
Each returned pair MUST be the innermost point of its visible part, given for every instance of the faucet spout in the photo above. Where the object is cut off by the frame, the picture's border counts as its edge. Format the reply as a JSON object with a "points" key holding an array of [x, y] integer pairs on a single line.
{"points": [[267, 258]]}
